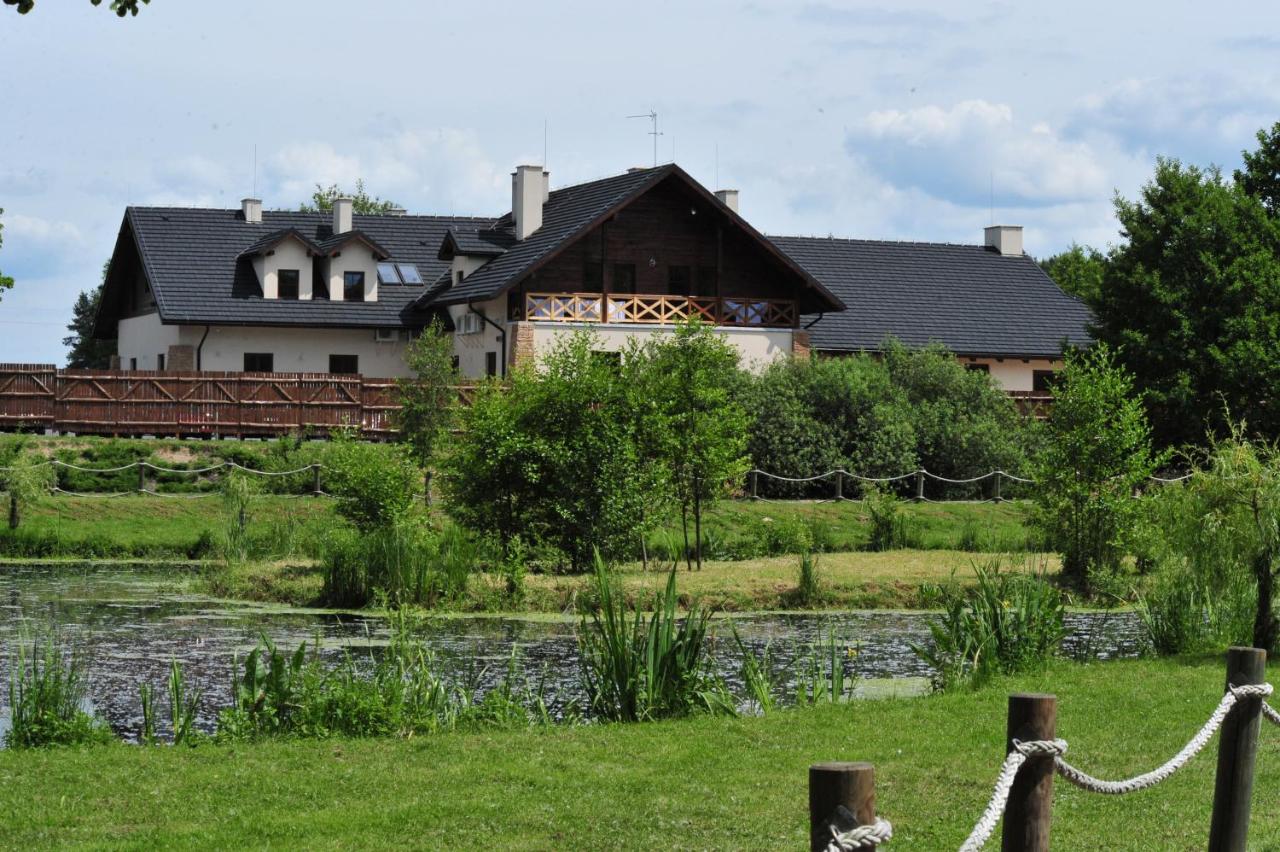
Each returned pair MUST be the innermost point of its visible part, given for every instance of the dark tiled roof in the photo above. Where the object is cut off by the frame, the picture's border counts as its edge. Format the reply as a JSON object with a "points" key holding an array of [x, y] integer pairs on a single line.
{"points": [[483, 241], [191, 260], [968, 298], [337, 241], [274, 239], [567, 213]]}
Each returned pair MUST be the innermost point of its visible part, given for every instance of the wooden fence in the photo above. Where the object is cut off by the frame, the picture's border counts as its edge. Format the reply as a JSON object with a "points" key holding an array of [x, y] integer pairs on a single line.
{"points": [[36, 397]]}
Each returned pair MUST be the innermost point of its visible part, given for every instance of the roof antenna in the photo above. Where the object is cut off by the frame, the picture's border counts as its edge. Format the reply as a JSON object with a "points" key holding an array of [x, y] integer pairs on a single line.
{"points": [[652, 115], [544, 145], [992, 199], [717, 165], [255, 169]]}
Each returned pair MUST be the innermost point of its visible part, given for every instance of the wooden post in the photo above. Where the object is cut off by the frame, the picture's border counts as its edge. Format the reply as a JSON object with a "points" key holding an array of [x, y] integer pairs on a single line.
{"points": [[839, 485], [1237, 746], [142, 476], [852, 785], [1026, 817], [753, 485], [919, 486], [315, 481], [996, 493]]}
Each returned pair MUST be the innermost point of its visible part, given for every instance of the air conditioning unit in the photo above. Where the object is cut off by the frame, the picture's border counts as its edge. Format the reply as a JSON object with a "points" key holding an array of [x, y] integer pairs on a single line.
{"points": [[469, 323], [386, 335]]}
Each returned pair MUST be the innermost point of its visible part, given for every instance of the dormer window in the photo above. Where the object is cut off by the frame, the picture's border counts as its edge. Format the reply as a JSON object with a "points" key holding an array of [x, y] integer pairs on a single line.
{"points": [[287, 283], [352, 286], [387, 274], [398, 273], [409, 273]]}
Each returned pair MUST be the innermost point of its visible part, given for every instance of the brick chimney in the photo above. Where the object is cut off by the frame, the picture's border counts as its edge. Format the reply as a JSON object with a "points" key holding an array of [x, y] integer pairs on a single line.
{"points": [[342, 215], [252, 210], [1005, 239], [529, 191], [729, 198]]}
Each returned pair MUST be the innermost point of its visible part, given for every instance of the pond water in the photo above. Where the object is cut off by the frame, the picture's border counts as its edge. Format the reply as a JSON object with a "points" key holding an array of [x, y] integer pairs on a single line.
{"points": [[131, 621]]}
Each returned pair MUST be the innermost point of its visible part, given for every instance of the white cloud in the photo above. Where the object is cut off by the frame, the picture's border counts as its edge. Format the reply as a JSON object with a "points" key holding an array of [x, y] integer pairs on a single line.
{"points": [[961, 153]]}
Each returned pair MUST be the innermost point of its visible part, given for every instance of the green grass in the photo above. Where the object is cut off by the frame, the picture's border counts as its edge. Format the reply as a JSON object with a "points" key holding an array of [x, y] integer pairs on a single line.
{"points": [[691, 784]]}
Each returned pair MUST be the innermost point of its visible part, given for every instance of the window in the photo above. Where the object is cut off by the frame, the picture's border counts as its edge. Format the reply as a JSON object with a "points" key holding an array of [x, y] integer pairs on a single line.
{"points": [[287, 283], [160, 361], [592, 276], [491, 363], [978, 368], [678, 283], [624, 278], [409, 273], [344, 364], [1043, 380], [353, 286], [259, 362], [387, 274], [457, 277], [133, 363]]}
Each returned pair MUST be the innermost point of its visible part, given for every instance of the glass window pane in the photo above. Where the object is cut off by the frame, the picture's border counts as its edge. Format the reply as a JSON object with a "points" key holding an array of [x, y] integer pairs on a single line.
{"points": [[353, 286], [287, 284], [387, 274], [409, 273]]}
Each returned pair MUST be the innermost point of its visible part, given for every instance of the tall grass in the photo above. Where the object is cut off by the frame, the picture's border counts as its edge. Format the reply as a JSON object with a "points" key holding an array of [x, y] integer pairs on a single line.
{"points": [[47, 696], [405, 563], [1008, 623], [1183, 615], [636, 668], [821, 673]]}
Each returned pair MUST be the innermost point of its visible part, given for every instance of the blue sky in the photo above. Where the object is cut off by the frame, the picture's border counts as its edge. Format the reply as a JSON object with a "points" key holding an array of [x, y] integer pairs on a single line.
{"points": [[888, 120]]}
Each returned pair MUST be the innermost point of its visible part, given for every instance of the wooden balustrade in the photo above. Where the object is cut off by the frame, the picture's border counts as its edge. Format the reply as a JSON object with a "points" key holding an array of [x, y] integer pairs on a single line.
{"points": [[660, 310], [37, 397]]}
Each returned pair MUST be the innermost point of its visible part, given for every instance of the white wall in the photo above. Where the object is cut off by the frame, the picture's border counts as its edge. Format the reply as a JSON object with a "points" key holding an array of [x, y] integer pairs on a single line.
{"points": [[294, 350], [756, 347], [289, 254], [355, 257], [471, 348], [1015, 374], [144, 338]]}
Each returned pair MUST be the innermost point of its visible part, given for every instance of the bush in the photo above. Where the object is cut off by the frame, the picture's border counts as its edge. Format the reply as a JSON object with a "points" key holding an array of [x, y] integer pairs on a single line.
{"points": [[888, 524], [375, 484], [1011, 623]]}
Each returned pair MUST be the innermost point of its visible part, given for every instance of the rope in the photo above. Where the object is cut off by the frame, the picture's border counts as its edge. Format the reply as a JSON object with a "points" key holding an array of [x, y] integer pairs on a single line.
{"points": [[1149, 779], [211, 468], [1271, 714], [861, 837], [999, 798]]}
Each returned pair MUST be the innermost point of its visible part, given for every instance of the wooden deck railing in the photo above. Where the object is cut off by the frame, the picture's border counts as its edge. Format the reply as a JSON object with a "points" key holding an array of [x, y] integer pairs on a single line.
{"points": [[660, 310], [36, 397]]}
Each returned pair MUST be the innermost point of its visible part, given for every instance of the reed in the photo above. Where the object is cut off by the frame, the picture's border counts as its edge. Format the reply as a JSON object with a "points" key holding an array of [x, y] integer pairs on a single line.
{"points": [[821, 674], [183, 705], [48, 692], [635, 668], [146, 693], [757, 676]]}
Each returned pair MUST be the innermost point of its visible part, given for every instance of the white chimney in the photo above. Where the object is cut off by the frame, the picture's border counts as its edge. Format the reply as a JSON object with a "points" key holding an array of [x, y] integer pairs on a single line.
{"points": [[1006, 239], [252, 209], [729, 198], [528, 192], [397, 211], [341, 215]]}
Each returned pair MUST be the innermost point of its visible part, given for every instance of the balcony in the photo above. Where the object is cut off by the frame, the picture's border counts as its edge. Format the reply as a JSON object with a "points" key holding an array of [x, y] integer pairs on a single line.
{"points": [[742, 312]]}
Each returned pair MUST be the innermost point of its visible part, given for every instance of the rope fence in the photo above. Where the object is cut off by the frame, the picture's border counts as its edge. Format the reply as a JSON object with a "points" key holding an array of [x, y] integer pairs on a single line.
{"points": [[142, 467], [842, 795]]}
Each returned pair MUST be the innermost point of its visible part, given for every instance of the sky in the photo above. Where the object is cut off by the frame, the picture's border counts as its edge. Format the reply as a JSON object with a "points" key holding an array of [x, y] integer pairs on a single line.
{"points": [[906, 121]]}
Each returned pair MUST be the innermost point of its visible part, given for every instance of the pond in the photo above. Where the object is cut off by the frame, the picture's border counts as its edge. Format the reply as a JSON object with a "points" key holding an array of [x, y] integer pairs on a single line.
{"points": [[131, 621]]}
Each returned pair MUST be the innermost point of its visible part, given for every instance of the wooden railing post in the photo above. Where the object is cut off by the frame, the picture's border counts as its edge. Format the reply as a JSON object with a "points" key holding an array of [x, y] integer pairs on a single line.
{"points": [[754, 485], [919, 486], [1237, 746], [315, 479], [1032, 716], [995, 494], [142, 476], [831, 785], [839, 485]]}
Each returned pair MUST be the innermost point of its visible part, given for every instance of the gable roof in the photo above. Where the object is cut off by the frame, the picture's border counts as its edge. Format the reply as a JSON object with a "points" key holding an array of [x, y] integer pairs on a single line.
{"points": [[192, 260], [275, 238], [969, 298], [337, 241], [572, 212], [483, 242]]}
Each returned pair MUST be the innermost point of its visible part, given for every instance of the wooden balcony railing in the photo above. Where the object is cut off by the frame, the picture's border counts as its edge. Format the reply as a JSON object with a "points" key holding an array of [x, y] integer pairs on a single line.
{"points": [[660, 310]]}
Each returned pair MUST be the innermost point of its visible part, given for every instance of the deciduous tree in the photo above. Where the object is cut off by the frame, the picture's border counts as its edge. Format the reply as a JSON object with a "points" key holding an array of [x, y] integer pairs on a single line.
{"points": [[428, 398], [361, 201]]}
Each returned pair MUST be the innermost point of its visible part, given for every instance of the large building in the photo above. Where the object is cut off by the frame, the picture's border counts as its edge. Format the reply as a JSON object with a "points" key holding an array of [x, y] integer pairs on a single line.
{"points": [[627, 256]]}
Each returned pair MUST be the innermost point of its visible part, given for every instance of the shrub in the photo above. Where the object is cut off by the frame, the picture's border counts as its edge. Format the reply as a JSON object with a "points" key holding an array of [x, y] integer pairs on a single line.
{"points": [[27, 481], [635, 669], [1010, 623], [238, 491], [888, 524], [374, 484], [1183, 615], [808, 587], [47, 691], [1097, 452]]}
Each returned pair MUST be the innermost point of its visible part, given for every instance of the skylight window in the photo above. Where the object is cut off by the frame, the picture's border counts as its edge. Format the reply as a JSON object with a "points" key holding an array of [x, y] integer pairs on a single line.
{"points": [[409, 273], [387, 274]]}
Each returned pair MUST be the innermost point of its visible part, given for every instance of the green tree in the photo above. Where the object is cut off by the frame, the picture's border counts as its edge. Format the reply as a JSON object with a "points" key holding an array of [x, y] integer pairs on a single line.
{"points": [[27, 481], [6, 282], [1260, 176], [699, 427], [120, 7], [1191, 304], [83, 350], [1223, 526], [1097, 452], [361, 201], [428, 398], [1078, 271]]}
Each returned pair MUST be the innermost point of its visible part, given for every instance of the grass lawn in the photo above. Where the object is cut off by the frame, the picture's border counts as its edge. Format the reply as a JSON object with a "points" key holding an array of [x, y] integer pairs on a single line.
{"points": [[703, 783]]}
